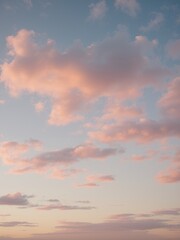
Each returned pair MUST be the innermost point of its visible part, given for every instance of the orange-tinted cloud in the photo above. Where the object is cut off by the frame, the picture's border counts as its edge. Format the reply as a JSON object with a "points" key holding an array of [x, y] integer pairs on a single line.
{"points": [[73, 79]]}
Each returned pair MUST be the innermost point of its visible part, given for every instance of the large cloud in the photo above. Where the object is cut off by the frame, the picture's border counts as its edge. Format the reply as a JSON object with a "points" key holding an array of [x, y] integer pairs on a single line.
{"points": [[114, 67], [14, 154], [141, 131]]}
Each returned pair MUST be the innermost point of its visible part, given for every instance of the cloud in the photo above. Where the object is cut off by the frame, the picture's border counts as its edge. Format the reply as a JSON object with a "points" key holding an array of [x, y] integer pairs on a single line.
{"points": [[64, 207], [127, 226], [16, 199], [174, 212], [39, 106], [94, 180], [2, 101], [98, 10], [11, 151], [172, 174], [141, 131], [170, 102], [65, 173], [17, 224], [14, 154], [154, 23], [173, 49], [131, 7], [115, 67]]}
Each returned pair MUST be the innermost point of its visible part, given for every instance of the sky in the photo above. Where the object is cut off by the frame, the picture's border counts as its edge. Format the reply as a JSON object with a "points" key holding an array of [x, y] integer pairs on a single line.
{"points": [[89, 119]]}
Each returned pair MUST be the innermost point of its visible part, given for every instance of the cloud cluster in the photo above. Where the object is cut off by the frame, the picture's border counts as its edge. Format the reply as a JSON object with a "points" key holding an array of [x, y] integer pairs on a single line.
{"points": [[79, 76]]}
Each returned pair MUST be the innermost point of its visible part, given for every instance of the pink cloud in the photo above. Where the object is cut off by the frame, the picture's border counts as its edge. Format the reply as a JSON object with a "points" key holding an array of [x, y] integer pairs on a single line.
{"points": [[148, 155], [11, 152], [131, 7], [117, 112], [79, 76], [171, 175], [65, 173], [16, 199], [173, 49], [14, 154], [142, 131], [94, 180], [170, 102], [39, 106], [98, 10]]}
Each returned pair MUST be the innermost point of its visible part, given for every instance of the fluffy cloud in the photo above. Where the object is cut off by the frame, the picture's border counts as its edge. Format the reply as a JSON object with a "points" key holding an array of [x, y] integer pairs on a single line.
{"points": [[79, 76], [16, 199], [130, 7], [98, 10], [11, 151]]}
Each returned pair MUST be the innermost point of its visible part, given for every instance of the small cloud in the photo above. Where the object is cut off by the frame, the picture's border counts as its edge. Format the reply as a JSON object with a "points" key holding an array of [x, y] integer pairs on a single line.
{"points": [[155, 22], [98, 10], [131, 7], [94, 180], [16, 199], [173, 49], [39, 106], [64, 207], [17, 224], [2, 101]]}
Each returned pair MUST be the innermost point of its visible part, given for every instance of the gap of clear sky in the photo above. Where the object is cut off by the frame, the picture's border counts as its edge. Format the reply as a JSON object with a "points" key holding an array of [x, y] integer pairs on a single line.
{"points": [[89, 119]]}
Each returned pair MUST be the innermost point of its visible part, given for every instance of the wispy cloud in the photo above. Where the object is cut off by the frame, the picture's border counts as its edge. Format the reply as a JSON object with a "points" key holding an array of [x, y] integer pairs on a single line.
{"points": [[98, 10], [173, 49], [94, 180], [14, 154], [17, 224], [154, 23], [64, 207], [131, 7]]}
